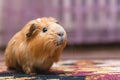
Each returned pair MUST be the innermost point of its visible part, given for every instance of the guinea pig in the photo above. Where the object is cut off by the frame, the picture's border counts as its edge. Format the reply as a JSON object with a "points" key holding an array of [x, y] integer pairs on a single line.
{"points": [[36, 46]]}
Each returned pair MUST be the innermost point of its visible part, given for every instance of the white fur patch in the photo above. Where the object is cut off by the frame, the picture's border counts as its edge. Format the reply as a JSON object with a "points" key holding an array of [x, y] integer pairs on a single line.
{"points": [[38, 19]]}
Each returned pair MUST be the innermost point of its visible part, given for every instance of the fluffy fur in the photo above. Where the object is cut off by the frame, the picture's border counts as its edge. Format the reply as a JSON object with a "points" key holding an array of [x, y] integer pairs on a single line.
{"points": [[34, 49]]}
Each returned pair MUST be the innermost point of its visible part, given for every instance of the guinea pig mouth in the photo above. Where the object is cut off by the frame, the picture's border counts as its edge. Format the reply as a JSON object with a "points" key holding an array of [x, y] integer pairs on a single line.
{"points": [[60, 41]]}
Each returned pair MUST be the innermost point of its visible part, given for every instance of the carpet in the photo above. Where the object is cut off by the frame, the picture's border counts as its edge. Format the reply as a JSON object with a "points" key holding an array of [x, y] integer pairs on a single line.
{"points": [[71, 70]]}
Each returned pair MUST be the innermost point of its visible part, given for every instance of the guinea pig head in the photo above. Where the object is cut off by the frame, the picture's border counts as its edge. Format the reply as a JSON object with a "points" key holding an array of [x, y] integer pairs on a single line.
{"points": [[45, 38]]}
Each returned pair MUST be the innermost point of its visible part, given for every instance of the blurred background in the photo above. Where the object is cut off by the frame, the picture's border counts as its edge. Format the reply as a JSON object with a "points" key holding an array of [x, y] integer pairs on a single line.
{"points": [[90, 24]]}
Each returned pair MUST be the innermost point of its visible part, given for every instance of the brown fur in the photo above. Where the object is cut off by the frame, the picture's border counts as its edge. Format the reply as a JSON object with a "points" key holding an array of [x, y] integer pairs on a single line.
{"points": [[31, 49]]}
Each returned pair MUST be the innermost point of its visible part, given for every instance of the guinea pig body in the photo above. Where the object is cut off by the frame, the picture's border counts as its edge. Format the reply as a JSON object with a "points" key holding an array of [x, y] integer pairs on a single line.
{"points": [[36, 47]]}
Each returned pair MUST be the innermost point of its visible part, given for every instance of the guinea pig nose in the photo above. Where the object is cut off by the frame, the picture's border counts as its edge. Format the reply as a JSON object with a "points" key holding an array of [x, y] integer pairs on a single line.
{"points": [[60, 34]]}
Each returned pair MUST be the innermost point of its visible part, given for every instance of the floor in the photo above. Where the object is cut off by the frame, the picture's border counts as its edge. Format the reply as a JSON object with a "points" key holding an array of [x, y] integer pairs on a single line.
{"points": [[94, 51], [91, 54], [109, 54]]}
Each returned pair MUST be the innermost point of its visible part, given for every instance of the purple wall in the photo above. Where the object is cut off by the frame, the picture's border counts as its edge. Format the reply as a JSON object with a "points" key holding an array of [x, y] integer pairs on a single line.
{"points": [[86, 21]]}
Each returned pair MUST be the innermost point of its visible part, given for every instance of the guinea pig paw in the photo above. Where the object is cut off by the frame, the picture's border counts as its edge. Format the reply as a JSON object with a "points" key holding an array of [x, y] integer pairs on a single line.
{"points": [[28, 70], [32, 74]]}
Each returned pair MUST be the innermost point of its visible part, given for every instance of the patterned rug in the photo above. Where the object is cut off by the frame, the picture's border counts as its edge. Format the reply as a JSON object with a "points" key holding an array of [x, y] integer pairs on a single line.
{"points": [[71, 70]]}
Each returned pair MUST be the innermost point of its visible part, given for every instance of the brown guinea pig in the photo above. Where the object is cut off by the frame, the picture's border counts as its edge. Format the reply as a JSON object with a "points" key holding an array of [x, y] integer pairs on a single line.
{"points": [[36, 46]]}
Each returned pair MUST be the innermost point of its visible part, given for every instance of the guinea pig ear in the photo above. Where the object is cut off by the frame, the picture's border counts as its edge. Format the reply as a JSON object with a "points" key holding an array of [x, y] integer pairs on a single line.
{"points": [[31, 30]]}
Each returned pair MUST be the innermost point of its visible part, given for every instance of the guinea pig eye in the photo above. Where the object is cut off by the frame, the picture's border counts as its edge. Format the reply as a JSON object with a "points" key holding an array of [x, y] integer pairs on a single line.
{"points": [[57, 22], [44, 29]]}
